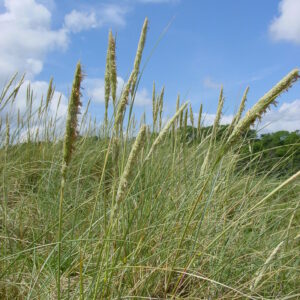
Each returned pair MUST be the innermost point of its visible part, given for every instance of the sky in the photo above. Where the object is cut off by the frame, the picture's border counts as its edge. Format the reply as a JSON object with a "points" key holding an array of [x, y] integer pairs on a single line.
{"points": [[193, 47]]}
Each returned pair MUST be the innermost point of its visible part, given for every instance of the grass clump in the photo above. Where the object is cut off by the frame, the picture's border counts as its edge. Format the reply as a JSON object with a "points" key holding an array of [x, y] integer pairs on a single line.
{"points": [[175, 212]]}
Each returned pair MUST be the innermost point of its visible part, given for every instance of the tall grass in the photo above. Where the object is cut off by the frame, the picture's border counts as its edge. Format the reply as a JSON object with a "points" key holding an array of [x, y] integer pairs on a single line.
{"points": [[106, 213]]}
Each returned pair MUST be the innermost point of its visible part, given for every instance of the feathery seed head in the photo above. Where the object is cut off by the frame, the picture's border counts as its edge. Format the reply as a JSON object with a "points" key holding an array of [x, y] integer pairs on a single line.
{"points": [[136, 148], [199, 121], [72, 117], [237, 117], [218, 115], [139, 53], [50, 92], [263, 104], [161, 104], [112, 67], [242, 105], [122, 105], [191, 115], [153, 101], [107, 77]]}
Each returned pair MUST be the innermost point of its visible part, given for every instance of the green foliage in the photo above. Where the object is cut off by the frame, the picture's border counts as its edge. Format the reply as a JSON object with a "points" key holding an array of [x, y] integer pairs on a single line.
{"points": [[280, 149]]}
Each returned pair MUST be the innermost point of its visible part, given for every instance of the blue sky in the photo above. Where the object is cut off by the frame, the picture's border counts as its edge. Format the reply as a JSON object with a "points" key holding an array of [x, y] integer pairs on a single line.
{"points": [[208, 43]]}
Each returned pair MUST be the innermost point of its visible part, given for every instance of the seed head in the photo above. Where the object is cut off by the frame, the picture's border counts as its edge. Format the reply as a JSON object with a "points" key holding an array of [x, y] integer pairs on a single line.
{"points": [[112, 67], [136, 148], [107, 80], [218, 116], [139, 53], [50, 92], [191, 116], [72, 117], [122, 105], [199, 121], [263, 104], [161, 104], [154, 115]]}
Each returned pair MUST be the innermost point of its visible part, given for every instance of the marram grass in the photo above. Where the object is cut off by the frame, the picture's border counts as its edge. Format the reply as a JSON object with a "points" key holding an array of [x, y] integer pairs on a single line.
{"points": [[107, 81], [68, 148], [137, 218], [263, 104], [199, 122], [133, 157], [164, 131], [139, 53], [237, 117], [112, 67]]}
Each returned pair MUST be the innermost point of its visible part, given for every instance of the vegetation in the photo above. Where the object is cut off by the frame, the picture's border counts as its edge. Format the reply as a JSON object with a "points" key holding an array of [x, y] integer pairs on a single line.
{"points": [[160, 211], [270, 149], [277, 146]]}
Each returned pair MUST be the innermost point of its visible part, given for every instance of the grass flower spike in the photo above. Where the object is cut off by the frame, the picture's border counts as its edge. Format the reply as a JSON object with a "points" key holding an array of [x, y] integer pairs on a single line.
{"points": [[136, 148], [68, 147]]}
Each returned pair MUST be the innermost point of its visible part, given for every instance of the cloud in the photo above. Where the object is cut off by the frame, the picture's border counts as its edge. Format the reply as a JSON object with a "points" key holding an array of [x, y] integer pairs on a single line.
{"points": [[208, 119], [40, 89], [26, 37], [287, 117], [209, 83], [77, 21], [142, 98], [57, 110], [95, 88], [113, 14], [287, 25]]}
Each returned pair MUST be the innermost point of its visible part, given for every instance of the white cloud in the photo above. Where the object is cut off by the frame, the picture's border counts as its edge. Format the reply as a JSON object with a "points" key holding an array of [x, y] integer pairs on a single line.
{"points": [[26, 37], [95, 90], [208, 119], [287, 25], [57, 110], [211, 84], [287, 117], [77, 21], [142, 98], [113, 14], [39, 89]]}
